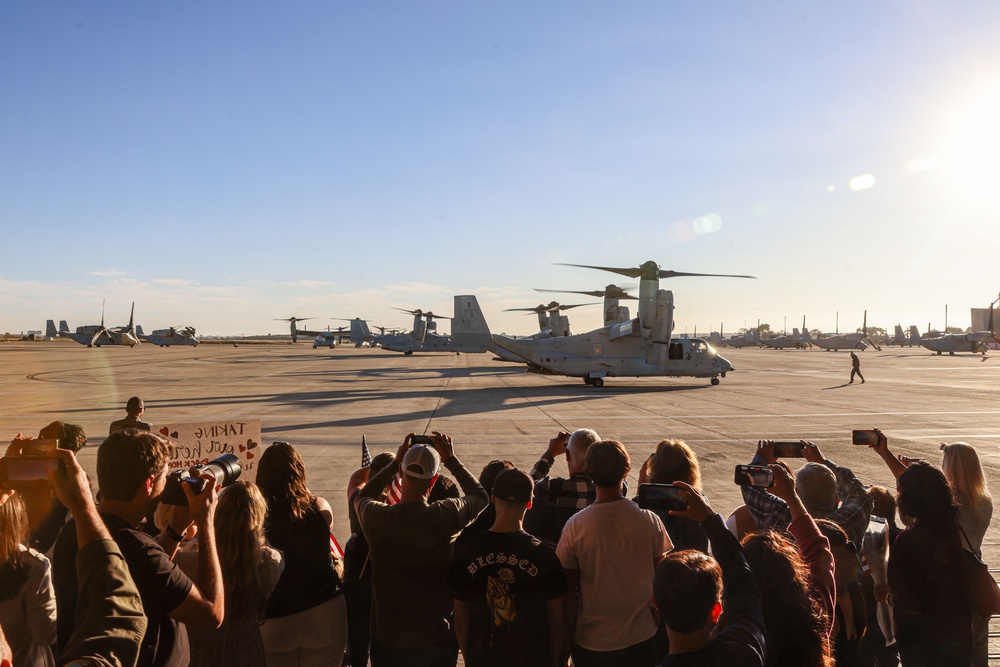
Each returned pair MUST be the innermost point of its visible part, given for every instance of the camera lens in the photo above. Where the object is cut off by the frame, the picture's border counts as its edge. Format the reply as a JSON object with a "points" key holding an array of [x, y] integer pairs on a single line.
{"points": [[226, 469]]}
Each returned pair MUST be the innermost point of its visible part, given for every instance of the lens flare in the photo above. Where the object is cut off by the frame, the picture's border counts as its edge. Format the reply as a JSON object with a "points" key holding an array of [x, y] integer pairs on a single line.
{"points": [[862, 182]]}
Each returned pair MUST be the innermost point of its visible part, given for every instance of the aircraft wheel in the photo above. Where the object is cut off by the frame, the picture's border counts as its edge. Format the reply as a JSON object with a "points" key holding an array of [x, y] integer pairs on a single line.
{"points": [[597, 382], [408, 353], [588, 381], [939, 354], [715, 381]]}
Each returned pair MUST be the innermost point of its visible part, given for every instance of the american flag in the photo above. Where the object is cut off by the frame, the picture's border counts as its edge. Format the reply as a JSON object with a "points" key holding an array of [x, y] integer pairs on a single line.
{"points": [[395, 490], [366, 456]]}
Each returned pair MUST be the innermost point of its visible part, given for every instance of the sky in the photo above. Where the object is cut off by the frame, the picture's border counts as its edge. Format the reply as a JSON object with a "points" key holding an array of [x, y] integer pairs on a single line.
{"points": [[224, 164]]}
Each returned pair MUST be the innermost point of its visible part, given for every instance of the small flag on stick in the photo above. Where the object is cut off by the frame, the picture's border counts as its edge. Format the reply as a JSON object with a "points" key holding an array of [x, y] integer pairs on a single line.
{"points": [[395, 490], [366, 456]]}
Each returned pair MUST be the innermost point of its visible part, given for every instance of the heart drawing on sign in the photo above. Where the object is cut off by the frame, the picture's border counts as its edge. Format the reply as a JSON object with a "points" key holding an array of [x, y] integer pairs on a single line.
{"points": [[251, 444], [165, 431], [249, 455], [174, 434], [243, 448]]}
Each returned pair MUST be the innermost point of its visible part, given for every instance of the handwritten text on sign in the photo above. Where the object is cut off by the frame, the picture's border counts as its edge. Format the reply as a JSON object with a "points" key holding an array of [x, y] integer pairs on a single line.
{"points": [[200, 442]]}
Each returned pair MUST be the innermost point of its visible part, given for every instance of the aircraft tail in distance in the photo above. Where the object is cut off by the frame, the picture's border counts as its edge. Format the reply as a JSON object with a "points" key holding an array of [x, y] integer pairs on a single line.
{"points": [[63, 326], [468, 327], [359, 331], [50, 329]]}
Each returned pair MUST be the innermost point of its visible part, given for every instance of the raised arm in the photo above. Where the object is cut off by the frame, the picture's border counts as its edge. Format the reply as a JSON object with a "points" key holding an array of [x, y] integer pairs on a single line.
{"points": [[767, 510]]}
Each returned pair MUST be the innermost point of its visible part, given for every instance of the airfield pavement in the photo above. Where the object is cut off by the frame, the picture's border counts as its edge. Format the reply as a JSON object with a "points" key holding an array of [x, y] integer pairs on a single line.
{"points": [[322, 401]]}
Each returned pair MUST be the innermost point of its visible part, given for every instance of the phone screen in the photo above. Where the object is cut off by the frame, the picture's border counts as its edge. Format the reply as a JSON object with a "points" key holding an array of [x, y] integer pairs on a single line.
{"points": [[788, 450], [16, 470], [864, 437], [421, 440], [661, 496], [760, 476]]}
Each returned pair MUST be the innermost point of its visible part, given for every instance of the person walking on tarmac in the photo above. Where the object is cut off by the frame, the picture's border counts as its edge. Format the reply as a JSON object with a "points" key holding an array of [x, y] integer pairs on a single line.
{"points": [[856, 369]]}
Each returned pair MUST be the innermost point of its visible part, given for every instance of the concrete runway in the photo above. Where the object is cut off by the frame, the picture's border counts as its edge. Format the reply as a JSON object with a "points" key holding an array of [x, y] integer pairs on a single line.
{"points": [[322, 401]]}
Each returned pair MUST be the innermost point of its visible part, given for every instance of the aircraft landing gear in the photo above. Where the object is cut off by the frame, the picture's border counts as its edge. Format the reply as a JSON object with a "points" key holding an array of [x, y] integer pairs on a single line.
{"points": [[594, 382], [408, 353], [715, 381]]}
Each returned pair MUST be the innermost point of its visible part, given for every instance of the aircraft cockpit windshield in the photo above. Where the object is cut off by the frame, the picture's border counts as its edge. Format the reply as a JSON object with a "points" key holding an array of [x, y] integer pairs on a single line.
{"points": [[701, 347]]}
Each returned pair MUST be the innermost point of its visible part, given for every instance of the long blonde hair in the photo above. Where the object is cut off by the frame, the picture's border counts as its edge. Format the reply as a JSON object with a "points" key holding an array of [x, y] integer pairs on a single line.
{"points": [[964, 473], [239, 535], [13, 530]]}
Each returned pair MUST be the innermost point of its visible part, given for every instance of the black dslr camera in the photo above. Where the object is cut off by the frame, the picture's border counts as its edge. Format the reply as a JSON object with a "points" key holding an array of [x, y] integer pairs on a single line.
{"points": [[226, 470]]}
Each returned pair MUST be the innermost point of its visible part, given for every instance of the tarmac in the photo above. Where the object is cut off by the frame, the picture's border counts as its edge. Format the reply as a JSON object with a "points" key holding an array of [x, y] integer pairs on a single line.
{"points": [[322, 401]]}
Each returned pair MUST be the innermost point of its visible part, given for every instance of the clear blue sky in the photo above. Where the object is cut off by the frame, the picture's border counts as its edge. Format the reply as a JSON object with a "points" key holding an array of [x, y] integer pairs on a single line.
{"points": [[226, 163]]}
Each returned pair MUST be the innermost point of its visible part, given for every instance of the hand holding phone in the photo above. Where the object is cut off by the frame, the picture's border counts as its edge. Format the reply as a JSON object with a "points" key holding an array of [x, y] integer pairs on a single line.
{"points": [[867, 437], [663, 497], [784, 449], [27, 471], [756, 476]]}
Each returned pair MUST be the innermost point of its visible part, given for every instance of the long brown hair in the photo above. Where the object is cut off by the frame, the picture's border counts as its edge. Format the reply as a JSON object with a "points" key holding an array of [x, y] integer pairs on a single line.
{"points": [[13, 530], [796, 624], [239, 535], [281, 477]]}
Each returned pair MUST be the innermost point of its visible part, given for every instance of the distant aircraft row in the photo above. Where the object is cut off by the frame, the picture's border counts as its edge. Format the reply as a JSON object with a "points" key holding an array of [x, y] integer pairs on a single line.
{"points": [[97, 335], [623, 346]]}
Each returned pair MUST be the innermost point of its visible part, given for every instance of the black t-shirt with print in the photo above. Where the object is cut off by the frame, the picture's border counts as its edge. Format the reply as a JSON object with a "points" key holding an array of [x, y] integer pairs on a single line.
{"points": [[507, 579]]}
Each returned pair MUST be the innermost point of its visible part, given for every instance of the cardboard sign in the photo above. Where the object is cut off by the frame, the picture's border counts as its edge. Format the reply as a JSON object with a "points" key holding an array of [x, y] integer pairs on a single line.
{"points": [[200, 442]]}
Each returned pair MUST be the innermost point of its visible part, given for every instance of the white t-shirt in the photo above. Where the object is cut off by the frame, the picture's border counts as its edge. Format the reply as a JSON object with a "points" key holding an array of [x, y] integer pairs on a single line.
{"points": [[615, 546]]}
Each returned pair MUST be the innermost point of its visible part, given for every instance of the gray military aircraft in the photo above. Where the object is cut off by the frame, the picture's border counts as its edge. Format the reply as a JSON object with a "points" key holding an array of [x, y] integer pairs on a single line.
{"points": [[96, 335], [799, 341], [911, 340], [637, 347], [847, 341], [168, 337], [612, 295], [750, 339], [974, 341], [469, 331]]}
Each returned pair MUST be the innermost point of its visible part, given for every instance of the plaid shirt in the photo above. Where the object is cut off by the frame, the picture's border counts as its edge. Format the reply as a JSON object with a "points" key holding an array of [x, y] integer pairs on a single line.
{"points": [[574, 492], [770, 511]]}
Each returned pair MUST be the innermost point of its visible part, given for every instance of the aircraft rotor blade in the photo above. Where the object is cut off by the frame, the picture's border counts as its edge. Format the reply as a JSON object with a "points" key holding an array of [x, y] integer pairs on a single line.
{"points": [[536, 309], [612, 291], [572, 305], [292, 319], [627, 272], [681, 274]]}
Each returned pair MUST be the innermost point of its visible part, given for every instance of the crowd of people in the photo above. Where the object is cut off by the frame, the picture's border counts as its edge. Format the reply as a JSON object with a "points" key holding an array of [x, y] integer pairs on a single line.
{"points": [[513, 568]]}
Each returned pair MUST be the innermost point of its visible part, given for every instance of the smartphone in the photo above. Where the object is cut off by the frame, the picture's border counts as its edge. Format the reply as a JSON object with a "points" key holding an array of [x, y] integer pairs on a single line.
{"points": [[38, 447], [760, 476], [864, 437], [661, 497], [18, 471], [421, 440], [788, 450]]}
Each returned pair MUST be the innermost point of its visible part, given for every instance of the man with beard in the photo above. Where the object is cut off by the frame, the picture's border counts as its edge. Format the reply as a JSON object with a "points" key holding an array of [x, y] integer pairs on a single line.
{"points": [[131, 473]]}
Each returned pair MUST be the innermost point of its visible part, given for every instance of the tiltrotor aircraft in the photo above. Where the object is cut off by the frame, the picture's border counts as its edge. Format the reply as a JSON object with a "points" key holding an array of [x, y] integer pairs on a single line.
{"points": [[847, 341], [750, 339], [900, 339], [974, 341], [637, 347], [799, 341], [469, 331], [171, 336], [96, 335]]}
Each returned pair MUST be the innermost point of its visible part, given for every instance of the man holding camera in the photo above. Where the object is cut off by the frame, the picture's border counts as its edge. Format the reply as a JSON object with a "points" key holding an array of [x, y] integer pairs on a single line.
{"points": [[131, 473], [411, 550]]}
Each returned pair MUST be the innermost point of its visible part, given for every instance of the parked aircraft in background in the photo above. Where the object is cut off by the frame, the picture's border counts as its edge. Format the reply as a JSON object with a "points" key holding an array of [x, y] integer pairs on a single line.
{"points": [[847, 341], [168, 337], [799, 341], [469, 331], [614, 312], [96, 335], [911, 340], [750, 339], [637, 347], [551, 321], [974, 341]]}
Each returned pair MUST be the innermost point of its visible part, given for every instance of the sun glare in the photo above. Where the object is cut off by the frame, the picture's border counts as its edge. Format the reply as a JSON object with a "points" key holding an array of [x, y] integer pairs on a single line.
{"points": [[975, 155]]}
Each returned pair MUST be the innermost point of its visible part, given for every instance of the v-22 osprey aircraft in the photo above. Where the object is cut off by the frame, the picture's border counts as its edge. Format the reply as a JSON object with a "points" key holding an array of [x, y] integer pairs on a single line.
{"points": [[637, 347], [96, 335]]}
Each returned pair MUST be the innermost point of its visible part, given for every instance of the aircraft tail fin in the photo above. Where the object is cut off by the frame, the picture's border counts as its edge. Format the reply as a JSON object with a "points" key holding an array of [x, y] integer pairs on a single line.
{"points": [[63, 326], [359, 331], [914, 332], [899, 334], [469, 328], [50, 329], [139, 331]]}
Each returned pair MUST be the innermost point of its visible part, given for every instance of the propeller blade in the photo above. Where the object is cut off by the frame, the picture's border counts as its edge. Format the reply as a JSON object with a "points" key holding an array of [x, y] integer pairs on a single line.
{"points": [[292, 319], [629, 273], [572, 305], [612, 291], [681, 274]]}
